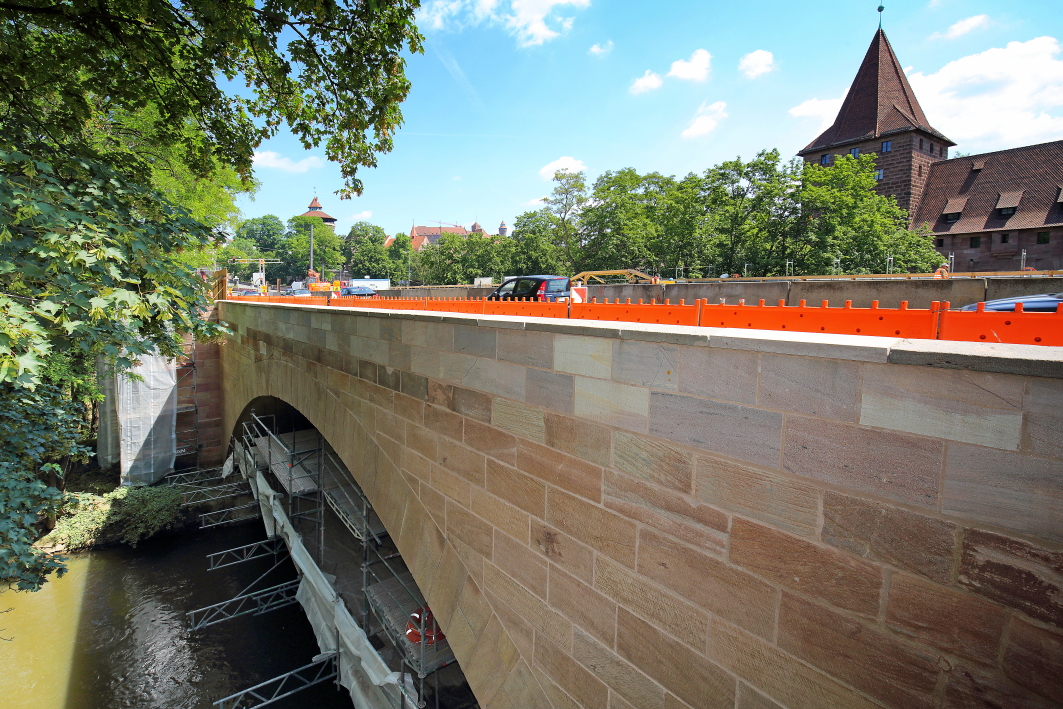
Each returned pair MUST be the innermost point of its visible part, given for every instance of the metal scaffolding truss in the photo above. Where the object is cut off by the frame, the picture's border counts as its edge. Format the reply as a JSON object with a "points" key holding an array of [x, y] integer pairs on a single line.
{"points": [[274, 546], [199, 495], [195, 478], [229, 514], [296, 459], [250, 603], [322, 669]]}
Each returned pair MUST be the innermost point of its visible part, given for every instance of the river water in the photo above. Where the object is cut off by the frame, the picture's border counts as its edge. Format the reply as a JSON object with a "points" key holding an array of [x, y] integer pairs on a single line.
{"points": [[112, 633]]}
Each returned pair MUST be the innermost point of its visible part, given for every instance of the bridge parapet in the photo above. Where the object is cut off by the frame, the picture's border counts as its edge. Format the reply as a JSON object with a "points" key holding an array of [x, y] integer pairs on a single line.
{"points": [[602, 513]]}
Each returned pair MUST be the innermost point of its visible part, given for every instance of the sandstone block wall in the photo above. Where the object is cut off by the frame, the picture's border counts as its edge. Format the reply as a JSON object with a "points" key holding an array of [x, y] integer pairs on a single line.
{"points": [[621, 515]]}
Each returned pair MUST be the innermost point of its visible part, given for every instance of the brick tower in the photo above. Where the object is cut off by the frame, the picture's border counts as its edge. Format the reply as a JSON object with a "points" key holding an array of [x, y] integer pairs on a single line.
{"points": [[881, 115]]}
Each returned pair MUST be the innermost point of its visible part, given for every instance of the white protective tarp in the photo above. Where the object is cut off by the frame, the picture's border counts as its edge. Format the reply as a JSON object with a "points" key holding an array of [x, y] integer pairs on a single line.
{"points": [[362, 671], [138, 419]]}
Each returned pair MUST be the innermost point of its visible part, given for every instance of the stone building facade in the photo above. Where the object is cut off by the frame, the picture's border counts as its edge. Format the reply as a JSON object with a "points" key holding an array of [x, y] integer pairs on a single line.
{"points": [[964, 201]]}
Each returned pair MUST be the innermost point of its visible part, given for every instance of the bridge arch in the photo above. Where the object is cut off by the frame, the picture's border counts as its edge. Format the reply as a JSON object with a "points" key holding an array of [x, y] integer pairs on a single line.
{"points": [[439, 566], [611, 514]]}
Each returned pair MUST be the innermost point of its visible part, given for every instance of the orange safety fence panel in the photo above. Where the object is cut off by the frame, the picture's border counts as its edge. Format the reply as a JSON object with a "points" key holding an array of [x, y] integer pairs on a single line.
{"points": [[657, 313], [526, 308], [1017, 328], [455, 305], [284, 300], [354, 301], [884, 322]]}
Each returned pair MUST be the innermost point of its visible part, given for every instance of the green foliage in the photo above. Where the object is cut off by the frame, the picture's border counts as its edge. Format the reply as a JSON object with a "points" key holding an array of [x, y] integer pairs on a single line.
{"points": [[127, 515], [332, 72], [761, 217], [365, 253], [24, 500], [404, 262], [88, 264], [295, 251], [460, 259], [266, 233]]}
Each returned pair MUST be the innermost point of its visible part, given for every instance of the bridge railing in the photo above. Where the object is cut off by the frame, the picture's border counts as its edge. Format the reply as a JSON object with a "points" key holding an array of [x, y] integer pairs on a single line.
{"points": [[938, 322]]}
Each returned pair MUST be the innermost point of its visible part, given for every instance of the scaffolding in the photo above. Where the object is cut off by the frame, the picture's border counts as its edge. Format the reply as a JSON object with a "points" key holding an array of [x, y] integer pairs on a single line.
{"points": [[393, 609], [186, 426]]}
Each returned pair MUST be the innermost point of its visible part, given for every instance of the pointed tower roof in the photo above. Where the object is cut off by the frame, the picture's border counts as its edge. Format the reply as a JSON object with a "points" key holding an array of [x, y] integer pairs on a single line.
{"points": [[315, 204], [880, 102]]}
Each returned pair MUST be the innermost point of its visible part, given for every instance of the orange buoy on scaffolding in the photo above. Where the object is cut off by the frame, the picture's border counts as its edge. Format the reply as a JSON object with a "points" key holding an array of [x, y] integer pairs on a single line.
{"points": [[423, 618]]}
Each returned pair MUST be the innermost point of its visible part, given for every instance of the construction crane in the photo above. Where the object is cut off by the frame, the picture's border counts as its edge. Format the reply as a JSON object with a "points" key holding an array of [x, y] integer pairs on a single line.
{"points": [[629, 274]]}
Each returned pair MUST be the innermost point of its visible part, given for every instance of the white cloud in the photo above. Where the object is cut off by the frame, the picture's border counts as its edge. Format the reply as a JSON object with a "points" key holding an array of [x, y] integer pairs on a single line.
{"points": [[600, 49], [537, 202], [757, 63], [1000, 98], [962, 27], [825, 110], [456, 178], [706, 120], [566, 164], [647, 82], [268, 158], [531, 21], [694, 69], [360, 216]]}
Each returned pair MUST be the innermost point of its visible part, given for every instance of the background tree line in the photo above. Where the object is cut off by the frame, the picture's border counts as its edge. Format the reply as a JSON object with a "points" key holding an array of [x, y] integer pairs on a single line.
{"points": [[762, 217]]}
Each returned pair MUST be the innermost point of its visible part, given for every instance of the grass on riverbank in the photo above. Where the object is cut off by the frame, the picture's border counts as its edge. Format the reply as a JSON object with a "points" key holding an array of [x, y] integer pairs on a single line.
{"points": [[102, 513]]}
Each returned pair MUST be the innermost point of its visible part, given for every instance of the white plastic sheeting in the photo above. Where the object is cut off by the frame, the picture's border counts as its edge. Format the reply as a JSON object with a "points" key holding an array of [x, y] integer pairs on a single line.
{"points": [[138, 419], [362, 671]]}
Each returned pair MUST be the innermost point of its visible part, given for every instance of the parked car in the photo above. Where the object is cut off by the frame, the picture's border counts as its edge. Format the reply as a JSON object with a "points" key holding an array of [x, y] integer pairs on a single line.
{"points": [[300, 291], [542, 288], [360, 291], [1043, 303]]}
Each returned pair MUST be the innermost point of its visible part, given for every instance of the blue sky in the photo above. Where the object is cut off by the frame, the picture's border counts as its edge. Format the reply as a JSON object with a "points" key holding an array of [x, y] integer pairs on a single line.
{"points": [[509, 89]]}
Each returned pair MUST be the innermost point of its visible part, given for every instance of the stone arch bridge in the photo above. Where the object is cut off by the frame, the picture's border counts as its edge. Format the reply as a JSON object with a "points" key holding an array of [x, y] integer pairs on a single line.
{"points": [[614, 515]]}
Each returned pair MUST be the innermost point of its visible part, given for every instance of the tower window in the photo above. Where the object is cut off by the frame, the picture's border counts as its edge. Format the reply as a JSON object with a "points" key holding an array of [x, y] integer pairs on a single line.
{"points": [[887, 146], [976, 241], [1042, 237], [939, 242], [931, 148], [855, 152], [920, 143], [920, 170], [824, 159], [1005, 238], [879, 174]]}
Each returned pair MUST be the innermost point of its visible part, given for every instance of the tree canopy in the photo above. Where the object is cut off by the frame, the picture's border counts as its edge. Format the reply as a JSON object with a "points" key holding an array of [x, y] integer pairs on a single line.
{"points": [[126, 130], [761, 217]]}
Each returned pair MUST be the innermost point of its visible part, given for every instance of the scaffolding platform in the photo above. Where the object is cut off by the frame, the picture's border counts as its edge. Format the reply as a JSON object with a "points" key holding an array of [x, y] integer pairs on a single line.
{"points": [[293, 458], [392, 601]]}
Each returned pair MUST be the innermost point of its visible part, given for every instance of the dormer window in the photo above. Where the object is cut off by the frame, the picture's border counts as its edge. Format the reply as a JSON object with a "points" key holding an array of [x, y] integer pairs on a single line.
{"points": [[855, 152], [1008, 202], [953, 209]]}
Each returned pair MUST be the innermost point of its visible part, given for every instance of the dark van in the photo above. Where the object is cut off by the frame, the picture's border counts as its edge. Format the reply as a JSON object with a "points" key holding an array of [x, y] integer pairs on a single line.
{"points": [[541, 288]]}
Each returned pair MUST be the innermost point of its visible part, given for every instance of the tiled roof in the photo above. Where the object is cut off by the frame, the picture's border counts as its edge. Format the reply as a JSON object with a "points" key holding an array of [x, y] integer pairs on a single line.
{"points": [[318, 213], [879, 103], [315, 204], [1027, 178]]}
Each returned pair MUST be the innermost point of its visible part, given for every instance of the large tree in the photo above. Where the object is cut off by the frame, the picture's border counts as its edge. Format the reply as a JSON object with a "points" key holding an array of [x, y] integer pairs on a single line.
{"points": [[120, 146]]}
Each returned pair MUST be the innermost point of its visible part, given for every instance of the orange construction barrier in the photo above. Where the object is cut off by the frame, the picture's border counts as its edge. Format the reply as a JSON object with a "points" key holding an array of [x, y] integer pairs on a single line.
{"points": [[885, 322], [659, 313], [526, 308], [937, 322], [1016, 328], [354, 301], [456, 305]]}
